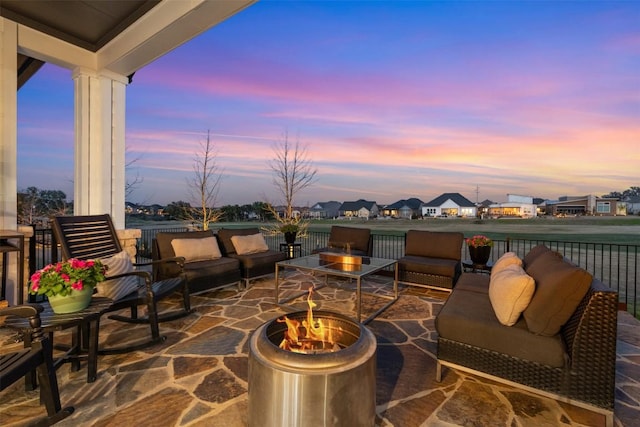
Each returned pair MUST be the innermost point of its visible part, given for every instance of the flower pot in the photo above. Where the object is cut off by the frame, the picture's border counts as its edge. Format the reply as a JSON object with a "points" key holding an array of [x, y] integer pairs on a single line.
{"points": [[290, 237], [72, 303], [479, 254]]}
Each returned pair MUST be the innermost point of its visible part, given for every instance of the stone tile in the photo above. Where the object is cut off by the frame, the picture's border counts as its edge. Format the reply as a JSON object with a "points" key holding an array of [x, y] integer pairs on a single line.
{"points": [[163, 408], [218, 386], [185, 366], [239, 366], [414, 412], [204, 323], [217, 341], [232, 416], [474, 404]]}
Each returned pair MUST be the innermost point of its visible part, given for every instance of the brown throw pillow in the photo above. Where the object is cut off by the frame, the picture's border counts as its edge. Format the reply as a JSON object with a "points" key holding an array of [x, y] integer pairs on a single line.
{"points": [[559, 289]]}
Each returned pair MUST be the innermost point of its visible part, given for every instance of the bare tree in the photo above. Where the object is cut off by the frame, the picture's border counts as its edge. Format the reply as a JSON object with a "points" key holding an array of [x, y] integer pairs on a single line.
{"points": [[293, 171], [131, 185], [205, 185]]}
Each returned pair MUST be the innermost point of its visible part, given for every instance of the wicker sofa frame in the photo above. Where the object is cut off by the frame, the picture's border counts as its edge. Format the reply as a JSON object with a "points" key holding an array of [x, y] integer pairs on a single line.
{"points": [[587, 381]]}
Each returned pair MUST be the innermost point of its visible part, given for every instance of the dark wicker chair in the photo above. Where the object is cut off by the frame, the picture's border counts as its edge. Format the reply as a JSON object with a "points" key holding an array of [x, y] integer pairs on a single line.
{"points": [[15, 365], [94, 237], [588, 380]]}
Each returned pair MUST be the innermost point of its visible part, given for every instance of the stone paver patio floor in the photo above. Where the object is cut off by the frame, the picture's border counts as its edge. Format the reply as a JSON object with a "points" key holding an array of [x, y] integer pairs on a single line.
{"points": [[198, 376]]}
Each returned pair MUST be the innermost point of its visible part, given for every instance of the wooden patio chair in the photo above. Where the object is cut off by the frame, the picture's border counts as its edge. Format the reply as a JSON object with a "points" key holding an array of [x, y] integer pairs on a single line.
{"points": [[15, 365], [94, 237]]}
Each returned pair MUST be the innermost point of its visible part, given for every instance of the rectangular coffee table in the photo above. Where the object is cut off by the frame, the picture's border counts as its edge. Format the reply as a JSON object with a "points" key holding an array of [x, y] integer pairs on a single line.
{"points": [[314, 264]]}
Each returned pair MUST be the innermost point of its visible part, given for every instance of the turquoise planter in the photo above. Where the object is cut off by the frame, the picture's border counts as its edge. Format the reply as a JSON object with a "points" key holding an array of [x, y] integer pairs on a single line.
{"points": [[72, 303]]}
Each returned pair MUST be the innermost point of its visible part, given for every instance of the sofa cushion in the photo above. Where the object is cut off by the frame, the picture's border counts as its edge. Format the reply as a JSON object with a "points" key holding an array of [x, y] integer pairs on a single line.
{"points": [[257, 260], [507, 259], [560, 287], [196, 249], [250, 244], [225, 234], [510, 291], [115, 289], [474, 282], [468, 317], [211, 267], [436, 266], [434, 244], [534, 253]]}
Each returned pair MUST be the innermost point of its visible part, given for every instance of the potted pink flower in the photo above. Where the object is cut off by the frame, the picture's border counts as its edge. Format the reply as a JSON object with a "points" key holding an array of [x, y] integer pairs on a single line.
{"points": [[479, 248], [68, 284]]}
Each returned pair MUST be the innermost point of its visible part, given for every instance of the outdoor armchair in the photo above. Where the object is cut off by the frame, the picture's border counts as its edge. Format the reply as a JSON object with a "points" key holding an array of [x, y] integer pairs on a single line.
{"points": [[94, 237], [353, 240]]}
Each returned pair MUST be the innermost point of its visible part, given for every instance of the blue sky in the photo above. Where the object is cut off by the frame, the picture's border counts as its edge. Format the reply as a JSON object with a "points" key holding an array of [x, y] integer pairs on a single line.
{"points": [[393, 100]]}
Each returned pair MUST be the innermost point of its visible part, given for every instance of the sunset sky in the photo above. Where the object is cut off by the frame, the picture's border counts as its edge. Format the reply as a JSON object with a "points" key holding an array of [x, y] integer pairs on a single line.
{"points": [[392, 99]]}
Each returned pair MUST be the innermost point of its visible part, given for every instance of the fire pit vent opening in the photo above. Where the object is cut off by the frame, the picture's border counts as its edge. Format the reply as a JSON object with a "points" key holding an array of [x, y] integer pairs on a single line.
{"points": [[324, 388]]}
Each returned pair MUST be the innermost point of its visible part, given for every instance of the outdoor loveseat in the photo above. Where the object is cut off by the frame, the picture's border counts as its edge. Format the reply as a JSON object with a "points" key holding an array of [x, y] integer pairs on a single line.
{"points": [[562, 338]]}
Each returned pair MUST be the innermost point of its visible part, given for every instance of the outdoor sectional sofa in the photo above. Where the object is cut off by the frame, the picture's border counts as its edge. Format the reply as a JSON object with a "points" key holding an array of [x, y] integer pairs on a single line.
{"points": [[562, 345]]}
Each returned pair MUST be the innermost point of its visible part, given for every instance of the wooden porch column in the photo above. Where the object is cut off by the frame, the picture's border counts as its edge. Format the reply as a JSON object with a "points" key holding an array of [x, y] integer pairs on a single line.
{"points": [[99, 182]]}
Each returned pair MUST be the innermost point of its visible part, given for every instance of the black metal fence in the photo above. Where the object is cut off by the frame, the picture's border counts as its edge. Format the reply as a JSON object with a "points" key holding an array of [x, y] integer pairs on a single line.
{"points": [[616, 265]]}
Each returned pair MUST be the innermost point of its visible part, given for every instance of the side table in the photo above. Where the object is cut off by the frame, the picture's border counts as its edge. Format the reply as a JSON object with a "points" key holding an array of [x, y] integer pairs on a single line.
{"points": [[293, 250], [84, 338], [469, 265]]}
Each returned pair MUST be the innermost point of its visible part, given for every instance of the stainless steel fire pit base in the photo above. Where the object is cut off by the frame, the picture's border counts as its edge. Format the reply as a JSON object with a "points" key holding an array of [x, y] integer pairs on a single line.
{"points": [[326, 389]]}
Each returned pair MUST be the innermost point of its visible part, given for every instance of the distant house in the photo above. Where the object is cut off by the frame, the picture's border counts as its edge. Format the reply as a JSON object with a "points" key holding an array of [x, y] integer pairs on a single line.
{"points": [[325, 210], [408, 208], [359, 209], [450, 204], [516, 206], [633, 205], [586, 205], [483, 207]]}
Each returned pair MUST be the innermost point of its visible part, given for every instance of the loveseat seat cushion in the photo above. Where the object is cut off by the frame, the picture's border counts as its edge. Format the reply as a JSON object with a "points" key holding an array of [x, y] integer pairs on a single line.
{"points": [[474, 283], [434, 244], [427, 265], [252, 261], [468, 317]]}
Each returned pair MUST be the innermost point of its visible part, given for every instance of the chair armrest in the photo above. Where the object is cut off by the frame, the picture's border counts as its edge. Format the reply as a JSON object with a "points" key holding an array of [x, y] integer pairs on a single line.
{"points": [[177, 260], [25, 311]]}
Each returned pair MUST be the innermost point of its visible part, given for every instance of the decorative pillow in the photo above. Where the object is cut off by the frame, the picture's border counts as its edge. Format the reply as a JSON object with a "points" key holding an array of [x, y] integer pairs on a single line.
{"points": [[560, 287], [510, 291], [250, 244], [509, 258], [115, 289], [201, 249]]}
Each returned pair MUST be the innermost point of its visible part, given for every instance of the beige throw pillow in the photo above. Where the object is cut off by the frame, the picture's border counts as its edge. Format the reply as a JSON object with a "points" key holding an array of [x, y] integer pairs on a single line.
{"points": [[250, 244], [115, 289], [509, 258], [201, 249], [510, 291]]}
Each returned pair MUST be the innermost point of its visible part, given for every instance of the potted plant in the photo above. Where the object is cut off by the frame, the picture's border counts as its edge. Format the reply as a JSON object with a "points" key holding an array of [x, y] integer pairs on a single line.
{"points": [[290, 231], [68, 284], [479, 248]]}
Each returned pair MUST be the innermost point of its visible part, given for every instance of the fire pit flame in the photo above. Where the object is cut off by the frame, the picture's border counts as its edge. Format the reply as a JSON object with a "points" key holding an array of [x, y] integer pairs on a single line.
{"points": [[309, 336]]}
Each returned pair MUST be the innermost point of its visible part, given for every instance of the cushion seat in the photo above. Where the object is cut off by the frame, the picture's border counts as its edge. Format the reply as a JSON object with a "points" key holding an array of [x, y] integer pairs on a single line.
{"points": [[437, 266]]}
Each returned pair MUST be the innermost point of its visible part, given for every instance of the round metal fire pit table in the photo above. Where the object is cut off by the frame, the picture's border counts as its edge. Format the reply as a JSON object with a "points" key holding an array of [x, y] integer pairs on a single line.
{"points": [[313, 389]]}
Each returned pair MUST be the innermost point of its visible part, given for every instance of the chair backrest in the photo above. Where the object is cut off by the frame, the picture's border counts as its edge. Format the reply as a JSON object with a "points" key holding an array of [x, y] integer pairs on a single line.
{"points": [[434, 244], [86, 237], [358, 238]]}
